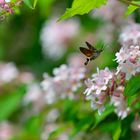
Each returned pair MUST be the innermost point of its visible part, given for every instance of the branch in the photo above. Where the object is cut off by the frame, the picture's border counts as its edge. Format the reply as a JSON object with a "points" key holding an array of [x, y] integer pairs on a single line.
{"points": [[130, 3]]}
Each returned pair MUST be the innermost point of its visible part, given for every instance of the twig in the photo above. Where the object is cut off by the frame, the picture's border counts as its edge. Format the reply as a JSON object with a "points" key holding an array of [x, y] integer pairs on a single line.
{"points": [[130, 3]]}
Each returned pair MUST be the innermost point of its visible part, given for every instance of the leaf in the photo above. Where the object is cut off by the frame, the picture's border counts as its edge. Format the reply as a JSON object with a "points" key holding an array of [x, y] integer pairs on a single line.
{"points": [[31, 3], [133, 86], [80, 7], [117, 133], [99, 118], [10, 103], [131, 8], [126, 130]]}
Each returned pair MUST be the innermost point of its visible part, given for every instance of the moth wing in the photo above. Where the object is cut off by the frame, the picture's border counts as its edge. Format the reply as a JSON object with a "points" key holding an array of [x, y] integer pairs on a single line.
{"points": [[90, 46], [86, 52]]}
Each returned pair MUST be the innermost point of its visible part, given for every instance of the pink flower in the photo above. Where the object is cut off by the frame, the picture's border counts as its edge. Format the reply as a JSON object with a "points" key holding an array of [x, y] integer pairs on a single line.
{"points": [[122, 55], [56, 36], [130, 35], [129, 60], [34, 96], [90, 87], [119, 102], [96, 90], [8, 72], [101, 79], [98, 101], [104, 87], [48, 87], [7, 131], [65, 82], [128, 68], [106, 11]]}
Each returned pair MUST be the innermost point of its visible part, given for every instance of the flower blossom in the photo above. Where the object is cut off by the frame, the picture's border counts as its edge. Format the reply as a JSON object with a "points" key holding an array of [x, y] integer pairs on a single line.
{"points": [[8, 72], [7, 7], [128, 59], [105, 86], [64, 83], [97, 87], [106, 11], [56, 36], [119, 102], [130, 35]]}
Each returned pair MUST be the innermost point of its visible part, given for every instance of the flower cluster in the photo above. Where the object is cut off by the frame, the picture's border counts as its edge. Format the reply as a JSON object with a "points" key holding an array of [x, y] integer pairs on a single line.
{"points": [[106, 11], [129, 60], [109, 85], [66, 81], [128, 57], [113, 21], [7, 7], [104, 86], [55, 37], [130, 35]]}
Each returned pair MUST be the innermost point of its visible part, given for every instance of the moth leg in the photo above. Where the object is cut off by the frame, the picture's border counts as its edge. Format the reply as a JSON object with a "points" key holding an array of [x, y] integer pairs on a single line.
{"points": [[87, 60]]}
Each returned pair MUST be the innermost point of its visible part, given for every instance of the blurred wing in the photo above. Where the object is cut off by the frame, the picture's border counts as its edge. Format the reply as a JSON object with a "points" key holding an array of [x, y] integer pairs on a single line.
{"points": [[86, 52], [90, 46]]}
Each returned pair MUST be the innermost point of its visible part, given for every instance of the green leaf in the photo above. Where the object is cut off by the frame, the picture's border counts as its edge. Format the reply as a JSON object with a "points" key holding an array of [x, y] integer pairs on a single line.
{"points": [[10, 103], [31, 3], [100, 118], [117, 133], [131, 8], [126, 130], [133, 86], [80, 7]]}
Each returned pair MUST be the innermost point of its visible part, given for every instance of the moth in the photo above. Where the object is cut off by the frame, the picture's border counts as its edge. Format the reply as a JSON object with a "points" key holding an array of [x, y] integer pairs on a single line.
{"points": [[91, 52]]}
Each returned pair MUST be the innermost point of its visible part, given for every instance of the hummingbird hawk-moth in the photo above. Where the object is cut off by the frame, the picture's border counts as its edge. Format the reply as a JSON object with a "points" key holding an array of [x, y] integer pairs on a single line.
{"points": [[91, 52]]}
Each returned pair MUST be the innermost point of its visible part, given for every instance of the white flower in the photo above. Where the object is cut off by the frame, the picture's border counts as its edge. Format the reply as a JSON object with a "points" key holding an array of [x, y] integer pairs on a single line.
{"points": [[101, 79], [33, 94], [90, 87], [66, 81], [129, 69], [130, 35], [48, 87], [8, 72], [129, 60], [96, 90], [122, 55], [118, 100], [106, 13], [97, 102], [55, 37]]}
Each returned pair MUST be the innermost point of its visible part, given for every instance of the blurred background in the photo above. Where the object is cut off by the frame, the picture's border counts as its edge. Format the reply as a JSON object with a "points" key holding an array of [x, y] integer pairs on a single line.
{"points": [[35, 51]]}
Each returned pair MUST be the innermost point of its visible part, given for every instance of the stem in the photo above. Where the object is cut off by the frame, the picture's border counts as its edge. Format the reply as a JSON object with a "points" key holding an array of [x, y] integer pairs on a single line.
{"points": [[130, 3]]}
